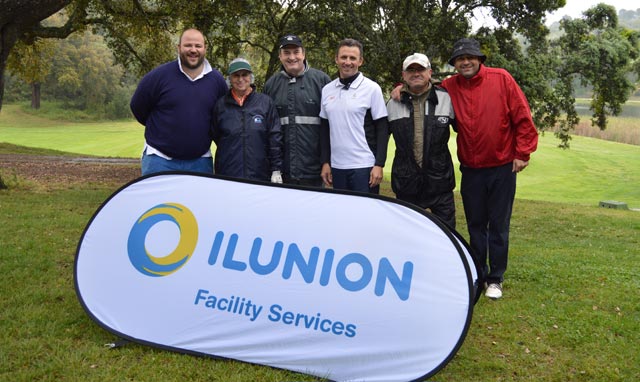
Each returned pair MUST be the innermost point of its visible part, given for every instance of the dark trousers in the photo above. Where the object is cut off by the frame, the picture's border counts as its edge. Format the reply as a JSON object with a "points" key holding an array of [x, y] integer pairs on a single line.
{"points": [[487, 197], [356, 179], [441, 205], [311, 182]]}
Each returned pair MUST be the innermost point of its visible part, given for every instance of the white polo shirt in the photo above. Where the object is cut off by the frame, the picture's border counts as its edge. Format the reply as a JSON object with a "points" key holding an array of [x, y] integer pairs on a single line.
{"points": [[345, 110]]}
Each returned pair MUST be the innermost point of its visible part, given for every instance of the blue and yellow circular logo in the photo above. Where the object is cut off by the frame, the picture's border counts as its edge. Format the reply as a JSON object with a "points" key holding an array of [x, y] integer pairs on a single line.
{"points": [[149, 265]]}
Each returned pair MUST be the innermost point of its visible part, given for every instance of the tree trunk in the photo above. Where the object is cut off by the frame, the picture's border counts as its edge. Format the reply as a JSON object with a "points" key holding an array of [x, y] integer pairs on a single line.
{"points": [[18, 17], [6, 43], [8, 38], [35, 95]]}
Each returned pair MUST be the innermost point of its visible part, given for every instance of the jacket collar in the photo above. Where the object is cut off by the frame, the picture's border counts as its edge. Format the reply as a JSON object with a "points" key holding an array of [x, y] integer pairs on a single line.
{"points": [[354, 84], [475, 80], [231, 99], [304, 71], [432, 97]]}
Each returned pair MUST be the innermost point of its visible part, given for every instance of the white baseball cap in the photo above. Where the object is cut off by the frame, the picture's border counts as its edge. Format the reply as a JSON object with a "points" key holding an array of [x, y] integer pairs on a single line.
{"points": [[416, 58]]}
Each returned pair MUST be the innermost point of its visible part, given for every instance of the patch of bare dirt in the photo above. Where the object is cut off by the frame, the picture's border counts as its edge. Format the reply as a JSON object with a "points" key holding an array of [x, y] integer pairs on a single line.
{"points": [[56, 171]]}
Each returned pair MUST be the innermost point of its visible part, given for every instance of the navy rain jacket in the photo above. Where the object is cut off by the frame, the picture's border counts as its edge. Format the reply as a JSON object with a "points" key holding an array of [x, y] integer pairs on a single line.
{"points": [[248, 137]]}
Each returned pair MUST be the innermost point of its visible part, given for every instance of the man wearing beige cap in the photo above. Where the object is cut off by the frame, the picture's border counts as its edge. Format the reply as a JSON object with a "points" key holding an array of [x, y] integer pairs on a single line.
{"points": [[422, 171], [496, 136]]}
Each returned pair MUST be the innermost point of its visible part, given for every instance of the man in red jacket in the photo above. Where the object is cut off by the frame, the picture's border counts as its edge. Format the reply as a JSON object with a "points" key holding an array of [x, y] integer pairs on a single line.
{"points": [[496, 135]]}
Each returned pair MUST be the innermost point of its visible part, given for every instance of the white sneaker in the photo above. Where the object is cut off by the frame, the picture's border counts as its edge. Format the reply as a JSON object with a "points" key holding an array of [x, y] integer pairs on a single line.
{"points": [[494, 291]]}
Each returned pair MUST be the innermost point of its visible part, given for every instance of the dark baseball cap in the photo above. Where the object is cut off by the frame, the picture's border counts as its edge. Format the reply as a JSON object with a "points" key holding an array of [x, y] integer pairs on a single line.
{"points": [[290, 39]]}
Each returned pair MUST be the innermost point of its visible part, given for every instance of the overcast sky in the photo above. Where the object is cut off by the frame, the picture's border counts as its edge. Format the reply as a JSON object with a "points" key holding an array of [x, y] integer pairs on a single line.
{"points": [[574, 8]]}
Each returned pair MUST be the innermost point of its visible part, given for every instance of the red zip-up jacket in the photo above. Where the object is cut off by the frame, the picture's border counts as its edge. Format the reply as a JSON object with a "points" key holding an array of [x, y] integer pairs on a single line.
{"points": [[494, 121]]}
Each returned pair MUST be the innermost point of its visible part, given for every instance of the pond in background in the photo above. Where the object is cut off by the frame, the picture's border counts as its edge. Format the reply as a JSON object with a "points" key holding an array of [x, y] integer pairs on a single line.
{"points": [[631, 109]]}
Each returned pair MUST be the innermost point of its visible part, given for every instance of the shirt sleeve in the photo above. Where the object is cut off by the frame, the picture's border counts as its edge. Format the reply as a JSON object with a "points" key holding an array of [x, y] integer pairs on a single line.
{"points": [[381, 126], [143, 99], [521, 119], [325, 141], [378, 106], [275, 137]]}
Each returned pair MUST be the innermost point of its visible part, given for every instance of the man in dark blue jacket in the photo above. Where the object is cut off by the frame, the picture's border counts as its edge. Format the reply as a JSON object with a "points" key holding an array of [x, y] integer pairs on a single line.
{"points": [[174, 102]]}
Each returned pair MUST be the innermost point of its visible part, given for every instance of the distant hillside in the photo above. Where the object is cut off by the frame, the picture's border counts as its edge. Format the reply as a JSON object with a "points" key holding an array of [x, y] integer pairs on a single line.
{"points": [[629, 19], [626, 18]]}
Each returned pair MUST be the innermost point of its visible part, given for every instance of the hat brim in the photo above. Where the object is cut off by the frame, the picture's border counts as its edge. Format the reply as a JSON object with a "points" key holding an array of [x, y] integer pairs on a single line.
{"points": [[415, 62], [474, 53], [237, 66], [239, 70], [296, 44]]}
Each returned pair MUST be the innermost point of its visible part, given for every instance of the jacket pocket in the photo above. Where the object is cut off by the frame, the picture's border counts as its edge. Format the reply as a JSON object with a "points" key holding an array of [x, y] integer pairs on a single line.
{"points": [[406, 177]]}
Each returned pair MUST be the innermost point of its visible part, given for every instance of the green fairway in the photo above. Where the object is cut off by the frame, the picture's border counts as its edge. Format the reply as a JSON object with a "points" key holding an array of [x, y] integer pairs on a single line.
{"points": [[111, 139], [570, 311], [591, 171]]}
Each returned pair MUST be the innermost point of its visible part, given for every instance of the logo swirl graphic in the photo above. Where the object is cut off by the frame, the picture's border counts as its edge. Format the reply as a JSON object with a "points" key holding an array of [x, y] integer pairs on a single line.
{"points": [[150, 265]]}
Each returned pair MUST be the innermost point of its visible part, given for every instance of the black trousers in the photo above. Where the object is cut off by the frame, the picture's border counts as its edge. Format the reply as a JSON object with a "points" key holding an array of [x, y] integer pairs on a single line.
{"points": [[313, 182], [487, 197], [441, 205]]}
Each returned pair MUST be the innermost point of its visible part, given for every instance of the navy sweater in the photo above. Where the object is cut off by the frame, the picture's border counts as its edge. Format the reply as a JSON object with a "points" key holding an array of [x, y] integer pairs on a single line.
{"points": [[176, 111]]}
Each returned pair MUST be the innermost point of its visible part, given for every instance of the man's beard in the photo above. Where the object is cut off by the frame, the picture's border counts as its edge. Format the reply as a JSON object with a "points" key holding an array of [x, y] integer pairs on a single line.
{"points": [[184, 60]]}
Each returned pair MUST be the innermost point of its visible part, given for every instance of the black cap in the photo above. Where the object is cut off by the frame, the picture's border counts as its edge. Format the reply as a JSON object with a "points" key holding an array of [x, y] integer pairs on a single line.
{"points": [[290, 39], [466, 47]]}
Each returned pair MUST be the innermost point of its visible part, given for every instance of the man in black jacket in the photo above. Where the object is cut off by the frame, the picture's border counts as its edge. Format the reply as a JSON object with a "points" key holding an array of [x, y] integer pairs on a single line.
{"points": [[296, 91], [422, 171]]}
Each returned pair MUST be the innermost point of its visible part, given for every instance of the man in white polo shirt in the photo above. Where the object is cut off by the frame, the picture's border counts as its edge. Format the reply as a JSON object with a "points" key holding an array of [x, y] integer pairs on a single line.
{"points": [[355, 114]]}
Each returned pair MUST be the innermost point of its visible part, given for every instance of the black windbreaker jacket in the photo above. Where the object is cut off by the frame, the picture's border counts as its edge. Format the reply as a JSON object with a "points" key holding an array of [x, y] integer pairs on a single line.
{"points": [[436, 174], [297, 100]]}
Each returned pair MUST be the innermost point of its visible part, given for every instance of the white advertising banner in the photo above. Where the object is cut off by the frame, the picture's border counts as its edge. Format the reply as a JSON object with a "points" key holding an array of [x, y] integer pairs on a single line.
{"points": [[332, 284]]}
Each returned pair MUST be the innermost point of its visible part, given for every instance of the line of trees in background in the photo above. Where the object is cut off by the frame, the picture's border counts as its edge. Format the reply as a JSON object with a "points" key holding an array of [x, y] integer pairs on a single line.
{"points": [[79, 72], [89, 54]]}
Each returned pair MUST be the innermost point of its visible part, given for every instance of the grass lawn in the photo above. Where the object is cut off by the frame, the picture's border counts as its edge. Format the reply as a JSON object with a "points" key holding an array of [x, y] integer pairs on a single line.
{"points": [[571, 310], [591, 171], [110, 139]]}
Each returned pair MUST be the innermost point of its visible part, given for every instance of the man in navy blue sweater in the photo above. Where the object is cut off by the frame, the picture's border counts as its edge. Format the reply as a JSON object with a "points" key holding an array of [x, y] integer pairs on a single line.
{"points": [[175, 103]]}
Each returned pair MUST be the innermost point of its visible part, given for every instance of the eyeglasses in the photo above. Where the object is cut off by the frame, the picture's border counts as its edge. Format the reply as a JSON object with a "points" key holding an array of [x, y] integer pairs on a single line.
{"points": [[416, 70]]}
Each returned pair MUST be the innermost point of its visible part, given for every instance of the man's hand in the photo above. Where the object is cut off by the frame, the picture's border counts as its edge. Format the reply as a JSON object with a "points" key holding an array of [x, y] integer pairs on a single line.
{"points": [[376, 176], [276, 177], [395, 93], [519, 165], [325, 174]]}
